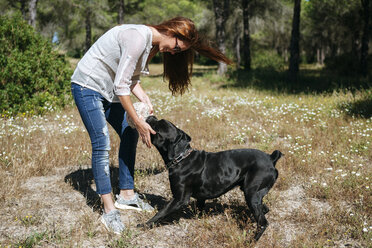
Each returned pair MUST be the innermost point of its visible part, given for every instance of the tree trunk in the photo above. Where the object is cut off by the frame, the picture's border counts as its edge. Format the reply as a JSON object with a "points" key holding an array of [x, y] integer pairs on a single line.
{"points": [[320, 55], [121, 12], [237, 50], [23, 9], [294, 59], [221, 12], [286, 55], [237, 43], [246, 36], [88, 29], [365, 37], [32, 7], [318, 61], [354, 43]]}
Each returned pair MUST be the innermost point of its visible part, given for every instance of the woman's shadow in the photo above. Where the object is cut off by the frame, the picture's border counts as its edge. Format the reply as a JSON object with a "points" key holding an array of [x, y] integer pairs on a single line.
{"points": [[82, 180]]}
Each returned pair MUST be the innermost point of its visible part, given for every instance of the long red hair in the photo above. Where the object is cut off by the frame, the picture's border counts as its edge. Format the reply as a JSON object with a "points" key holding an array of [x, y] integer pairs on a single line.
{"points": [[178, 67]]}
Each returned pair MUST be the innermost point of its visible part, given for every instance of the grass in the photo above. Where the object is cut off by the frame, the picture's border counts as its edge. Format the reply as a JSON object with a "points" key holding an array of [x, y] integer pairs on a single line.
{"points": [[322, 197]]}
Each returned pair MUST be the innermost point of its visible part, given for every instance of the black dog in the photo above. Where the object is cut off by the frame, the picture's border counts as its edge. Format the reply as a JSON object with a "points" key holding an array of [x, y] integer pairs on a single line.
{"points": [[204, 175]]}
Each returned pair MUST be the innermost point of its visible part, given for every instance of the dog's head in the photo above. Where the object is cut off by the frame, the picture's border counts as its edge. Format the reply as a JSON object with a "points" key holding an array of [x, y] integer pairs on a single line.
{"points": [[169, 140]]}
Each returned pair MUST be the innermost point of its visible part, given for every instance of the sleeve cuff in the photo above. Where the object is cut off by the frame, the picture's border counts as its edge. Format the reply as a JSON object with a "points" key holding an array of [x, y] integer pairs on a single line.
{"points": [[122, 90]]}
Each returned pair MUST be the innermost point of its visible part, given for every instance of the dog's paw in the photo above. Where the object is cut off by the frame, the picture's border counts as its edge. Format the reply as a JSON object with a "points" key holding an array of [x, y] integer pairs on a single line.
{"points": [[141, 225], [260, 231], [146, 225]]}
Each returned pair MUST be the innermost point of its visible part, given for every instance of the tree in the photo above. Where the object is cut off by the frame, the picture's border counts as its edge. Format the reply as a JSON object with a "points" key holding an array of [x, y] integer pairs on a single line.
{"points": [[121, 12], [250, 17], [78, 24], [154, 11], [277, 27], [21, 5], [32, 7], [334, 28], [236, 35], [221, 11], [29, 14], [294, 60], [246, 36], [365, 37], [88, 27]]}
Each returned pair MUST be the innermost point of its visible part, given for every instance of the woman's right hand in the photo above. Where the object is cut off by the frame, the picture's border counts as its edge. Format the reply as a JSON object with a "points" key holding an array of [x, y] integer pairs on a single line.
{"points": [[144, 130]]}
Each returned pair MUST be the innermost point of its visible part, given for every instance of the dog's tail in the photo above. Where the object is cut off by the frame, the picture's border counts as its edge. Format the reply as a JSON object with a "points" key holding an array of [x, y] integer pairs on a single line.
{"points": [[275, 156]]}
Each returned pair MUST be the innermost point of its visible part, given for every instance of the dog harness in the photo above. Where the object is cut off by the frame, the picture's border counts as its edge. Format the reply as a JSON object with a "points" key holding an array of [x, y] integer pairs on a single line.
{"points": [[179, 158]]}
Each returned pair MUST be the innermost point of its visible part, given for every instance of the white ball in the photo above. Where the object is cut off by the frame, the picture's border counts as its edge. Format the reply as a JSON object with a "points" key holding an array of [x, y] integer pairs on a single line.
{"points": [[142, 110]]}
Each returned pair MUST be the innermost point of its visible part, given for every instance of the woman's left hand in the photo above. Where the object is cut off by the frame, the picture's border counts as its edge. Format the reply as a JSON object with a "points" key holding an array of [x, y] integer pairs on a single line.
{"points": [[144, 130]]}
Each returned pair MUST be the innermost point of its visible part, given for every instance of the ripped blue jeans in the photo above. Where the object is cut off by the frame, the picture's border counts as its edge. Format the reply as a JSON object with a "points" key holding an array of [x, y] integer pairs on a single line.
{"points": [[95, 112]]}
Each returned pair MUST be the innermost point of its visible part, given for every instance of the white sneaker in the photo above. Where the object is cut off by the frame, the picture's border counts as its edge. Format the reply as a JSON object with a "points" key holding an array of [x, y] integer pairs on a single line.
{"points": [[135, 204], [113, 222]]}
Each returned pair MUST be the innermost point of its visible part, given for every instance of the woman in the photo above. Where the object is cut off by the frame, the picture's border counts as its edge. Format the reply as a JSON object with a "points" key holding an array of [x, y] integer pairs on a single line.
{"points": [[102, 83]]}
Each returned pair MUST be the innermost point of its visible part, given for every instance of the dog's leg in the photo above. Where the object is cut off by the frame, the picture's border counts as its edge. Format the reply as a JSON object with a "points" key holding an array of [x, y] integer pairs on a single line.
{"points": [[265, 209], [254, 202], [200, 203], [253, 197], [172, 206]]}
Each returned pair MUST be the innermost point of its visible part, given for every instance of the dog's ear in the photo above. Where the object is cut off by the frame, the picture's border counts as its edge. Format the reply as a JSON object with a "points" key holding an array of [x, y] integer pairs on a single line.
{"points": [[180, 144], [181, 135], [185, 136]]}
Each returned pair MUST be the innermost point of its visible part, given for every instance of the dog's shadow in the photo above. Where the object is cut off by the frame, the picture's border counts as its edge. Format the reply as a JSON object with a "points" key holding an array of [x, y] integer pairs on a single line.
{"points": [[239, 212], [82, 181]]}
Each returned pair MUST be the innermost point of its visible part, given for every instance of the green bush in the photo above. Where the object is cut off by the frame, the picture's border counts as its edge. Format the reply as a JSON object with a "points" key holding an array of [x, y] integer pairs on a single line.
{"points": [[268, 60], [33, 77]]}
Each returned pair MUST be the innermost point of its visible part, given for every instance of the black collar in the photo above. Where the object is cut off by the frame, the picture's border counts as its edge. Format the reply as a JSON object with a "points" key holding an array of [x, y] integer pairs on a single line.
{"points": [[179, 158]]}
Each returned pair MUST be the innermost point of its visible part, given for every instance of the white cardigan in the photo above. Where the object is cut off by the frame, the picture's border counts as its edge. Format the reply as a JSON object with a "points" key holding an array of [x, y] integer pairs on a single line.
{"points": [[113, 64]]}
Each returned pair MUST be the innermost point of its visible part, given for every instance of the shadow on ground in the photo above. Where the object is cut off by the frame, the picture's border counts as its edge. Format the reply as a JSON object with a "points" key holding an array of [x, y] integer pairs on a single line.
{"points": [[361, 108], [82, 180], [309, 81], [240, 213]]}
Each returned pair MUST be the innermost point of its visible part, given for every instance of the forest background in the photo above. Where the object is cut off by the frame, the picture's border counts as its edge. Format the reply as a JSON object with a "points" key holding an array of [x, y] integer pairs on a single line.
{"points": [[272, 35]]}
